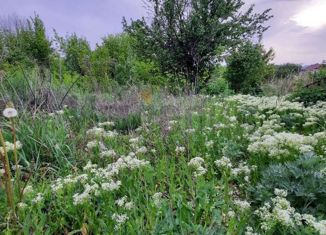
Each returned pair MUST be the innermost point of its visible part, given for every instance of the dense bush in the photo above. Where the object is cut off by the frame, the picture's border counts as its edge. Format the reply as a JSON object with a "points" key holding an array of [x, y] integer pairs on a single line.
{"points": [[218, 86], [303, 179], [247, 67], [309, 95], [24, 42]]}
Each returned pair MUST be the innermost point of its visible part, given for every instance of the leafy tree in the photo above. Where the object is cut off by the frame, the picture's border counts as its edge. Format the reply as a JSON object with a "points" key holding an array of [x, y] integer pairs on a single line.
{"points": [[113, 58], [187, 37], [247, 66], [287, 70], [25, 42], [40, 47], [77, 53]]}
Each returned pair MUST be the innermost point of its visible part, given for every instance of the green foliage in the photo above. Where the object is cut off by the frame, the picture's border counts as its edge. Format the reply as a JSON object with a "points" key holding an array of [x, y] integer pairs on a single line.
{"points": [[147, 72], [218, 86], [309, 95], [113, 59], [247, 67], [320, 76], [77, 53], [129, 123], [25, 42], [303, 179], [287, 70], [187, 37]]}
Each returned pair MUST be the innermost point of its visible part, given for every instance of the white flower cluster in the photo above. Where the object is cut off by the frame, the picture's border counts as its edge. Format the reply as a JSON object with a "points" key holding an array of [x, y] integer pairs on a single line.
{"points": [[98, 132], [111, 185], [105, 175], [189, 131], [242, 169], [38, 198], [119, 219], [209, 144], [242, 205], [266, 103], [108, 153], [250, 231], [10, 147], [141, 150], [95, 132], [122, 202], [197, 163], [280, 211], [312, 114], [180, 149], [224, 162], [157, 199], [278, 144], [94, 144], [80, 198]]}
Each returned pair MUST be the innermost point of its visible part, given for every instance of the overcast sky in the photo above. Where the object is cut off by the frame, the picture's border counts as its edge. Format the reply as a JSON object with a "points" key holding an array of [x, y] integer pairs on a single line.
{"points": [[297, 33]]}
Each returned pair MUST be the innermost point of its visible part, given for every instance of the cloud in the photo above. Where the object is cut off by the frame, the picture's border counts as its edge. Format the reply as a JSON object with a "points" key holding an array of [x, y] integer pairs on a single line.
{"points": [[312, 16]]}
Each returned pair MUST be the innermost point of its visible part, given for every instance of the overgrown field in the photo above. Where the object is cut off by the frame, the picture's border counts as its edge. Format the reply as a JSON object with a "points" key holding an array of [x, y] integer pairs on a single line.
{"points": [[236, 165]]}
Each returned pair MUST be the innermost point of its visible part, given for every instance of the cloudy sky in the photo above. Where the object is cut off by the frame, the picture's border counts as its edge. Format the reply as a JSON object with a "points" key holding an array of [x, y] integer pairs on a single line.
{"points": [[297, 33]]}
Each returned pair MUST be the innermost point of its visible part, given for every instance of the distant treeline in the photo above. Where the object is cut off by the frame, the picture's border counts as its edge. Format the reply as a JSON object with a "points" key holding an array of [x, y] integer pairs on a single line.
{"points": [[182, 47]]}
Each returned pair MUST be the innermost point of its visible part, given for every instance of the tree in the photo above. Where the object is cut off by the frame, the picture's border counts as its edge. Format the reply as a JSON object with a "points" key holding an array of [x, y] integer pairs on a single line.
{"points": [[25, 42], [187, 37], [113, 58], [247, 66], [77, 53], [40, 46]]}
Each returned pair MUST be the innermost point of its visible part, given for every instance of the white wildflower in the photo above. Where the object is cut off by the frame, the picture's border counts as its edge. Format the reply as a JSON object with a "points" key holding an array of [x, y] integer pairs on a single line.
{"points": [[231, 214], [209, 144], [10, 112], [224, 162], [119, 219], [242, 205], [250, 231], [158, 199], [120, 202], [108, 153], [129, 205], [38, 198], [22, 205], [141, 150], [95, 132], [280, 192], [180, 149], [28, 189], [60, 112], [111, 186]]}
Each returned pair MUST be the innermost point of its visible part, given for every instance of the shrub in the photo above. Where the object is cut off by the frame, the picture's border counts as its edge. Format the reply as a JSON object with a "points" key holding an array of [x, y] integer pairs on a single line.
{"points": [[309, 95], [303, 179], [247, 67], [218, 86]]}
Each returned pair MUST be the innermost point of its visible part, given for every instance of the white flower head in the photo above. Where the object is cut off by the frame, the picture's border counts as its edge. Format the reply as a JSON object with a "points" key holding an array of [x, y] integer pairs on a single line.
{"points": [[60, 112], [10, 113]]}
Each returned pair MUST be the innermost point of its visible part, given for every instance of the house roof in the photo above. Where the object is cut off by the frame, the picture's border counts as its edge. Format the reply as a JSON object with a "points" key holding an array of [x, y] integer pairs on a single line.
{"points": [[312, 67]]}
